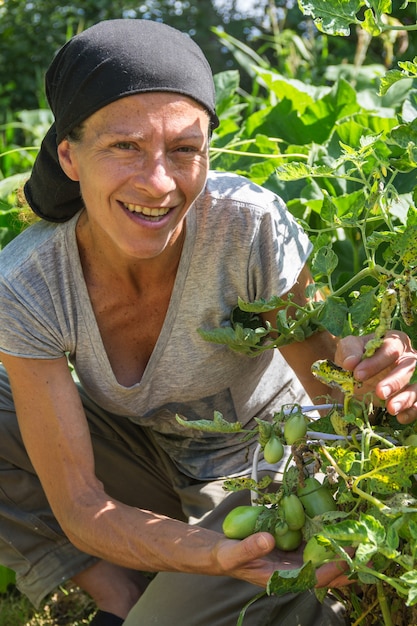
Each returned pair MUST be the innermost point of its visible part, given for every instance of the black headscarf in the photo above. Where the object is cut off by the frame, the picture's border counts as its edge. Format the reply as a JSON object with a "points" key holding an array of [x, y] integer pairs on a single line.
{"points": [[108, 61]]}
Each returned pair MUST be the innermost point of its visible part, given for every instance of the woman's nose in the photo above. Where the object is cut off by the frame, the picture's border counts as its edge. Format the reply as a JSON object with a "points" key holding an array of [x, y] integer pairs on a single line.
{"points": [[156, 176]]}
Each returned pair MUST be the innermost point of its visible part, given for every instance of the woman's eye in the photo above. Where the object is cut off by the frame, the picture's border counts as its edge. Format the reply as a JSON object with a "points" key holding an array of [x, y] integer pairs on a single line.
{"points": [[187, 149], [124, 145]]}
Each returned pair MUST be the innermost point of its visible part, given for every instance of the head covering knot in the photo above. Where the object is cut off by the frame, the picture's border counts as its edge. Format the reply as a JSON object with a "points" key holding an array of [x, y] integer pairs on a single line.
{"points": [[110, 60]]}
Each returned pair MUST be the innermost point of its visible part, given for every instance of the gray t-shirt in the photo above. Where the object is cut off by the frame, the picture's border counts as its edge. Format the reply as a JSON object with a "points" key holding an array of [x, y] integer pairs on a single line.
{"points": [[240, 241]]}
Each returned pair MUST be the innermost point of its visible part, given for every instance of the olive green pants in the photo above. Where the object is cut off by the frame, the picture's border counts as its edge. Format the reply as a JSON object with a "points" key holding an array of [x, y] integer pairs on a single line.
{"points": [[136, 472]]}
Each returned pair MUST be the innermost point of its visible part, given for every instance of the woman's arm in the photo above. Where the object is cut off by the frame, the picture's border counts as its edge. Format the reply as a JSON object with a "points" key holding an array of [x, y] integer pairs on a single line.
{"points": [[301, 355], [56, 436]]}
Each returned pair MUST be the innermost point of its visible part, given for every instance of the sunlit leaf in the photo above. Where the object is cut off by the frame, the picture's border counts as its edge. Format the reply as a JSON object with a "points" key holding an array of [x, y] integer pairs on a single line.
{"points": [[392, 468], [292, 580], [333, 18], [217, 425]]}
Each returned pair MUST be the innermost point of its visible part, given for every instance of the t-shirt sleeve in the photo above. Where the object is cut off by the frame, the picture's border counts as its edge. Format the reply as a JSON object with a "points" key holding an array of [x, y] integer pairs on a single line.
{"points": [[28, 324], [281, 249]]}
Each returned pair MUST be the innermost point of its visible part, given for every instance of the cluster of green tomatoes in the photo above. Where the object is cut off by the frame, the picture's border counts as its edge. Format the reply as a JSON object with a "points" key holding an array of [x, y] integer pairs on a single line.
{"points": [[286, 518]]}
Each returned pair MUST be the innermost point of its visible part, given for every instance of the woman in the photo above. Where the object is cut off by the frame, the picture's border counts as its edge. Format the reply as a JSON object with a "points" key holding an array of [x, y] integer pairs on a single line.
{"points": [[138, 247]]}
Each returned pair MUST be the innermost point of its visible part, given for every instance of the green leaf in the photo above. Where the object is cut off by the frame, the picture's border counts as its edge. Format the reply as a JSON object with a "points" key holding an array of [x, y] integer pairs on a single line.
{"points": [[333, 315], [404, 134], [297, 170], [262, 305], [244, 340], [375, 530], [369, 24], [364, 552], [12, 183], [409, 66], [333, 18], [411, 579], [247, 319], [292, 580], [392, 468], [405, 245], [361, 310], [347, 532], [217, 425], [324, 262], [226, 84], [393, 76]]}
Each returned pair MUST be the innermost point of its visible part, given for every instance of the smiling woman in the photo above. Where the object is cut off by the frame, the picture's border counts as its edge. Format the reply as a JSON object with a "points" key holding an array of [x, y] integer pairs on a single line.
{"points": [[139, 246]]}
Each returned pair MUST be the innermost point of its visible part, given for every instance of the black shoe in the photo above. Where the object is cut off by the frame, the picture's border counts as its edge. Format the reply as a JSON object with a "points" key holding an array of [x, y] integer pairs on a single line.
{"points": [[102, 618]]}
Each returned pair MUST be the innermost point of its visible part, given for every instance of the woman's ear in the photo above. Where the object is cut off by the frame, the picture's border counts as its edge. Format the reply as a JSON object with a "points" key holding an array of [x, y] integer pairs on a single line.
{"points": [[66, 159]]}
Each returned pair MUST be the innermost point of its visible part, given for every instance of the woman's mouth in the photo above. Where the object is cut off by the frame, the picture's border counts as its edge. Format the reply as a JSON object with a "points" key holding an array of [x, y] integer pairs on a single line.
{"points": [[152, 214]]}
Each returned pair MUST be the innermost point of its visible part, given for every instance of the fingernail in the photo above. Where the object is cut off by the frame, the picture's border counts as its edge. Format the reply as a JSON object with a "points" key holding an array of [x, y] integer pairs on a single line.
{"points": [[395, 408], [385, 392], [262, 543], [360, 374], [350, 361]]}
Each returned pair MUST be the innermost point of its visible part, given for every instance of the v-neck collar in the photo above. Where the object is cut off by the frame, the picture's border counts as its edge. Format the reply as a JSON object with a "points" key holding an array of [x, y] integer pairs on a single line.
{"points": [[87, 311]]}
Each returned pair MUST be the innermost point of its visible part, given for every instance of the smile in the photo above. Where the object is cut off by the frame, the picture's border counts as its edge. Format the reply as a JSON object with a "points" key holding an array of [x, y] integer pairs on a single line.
{"points": [[144, 210]]}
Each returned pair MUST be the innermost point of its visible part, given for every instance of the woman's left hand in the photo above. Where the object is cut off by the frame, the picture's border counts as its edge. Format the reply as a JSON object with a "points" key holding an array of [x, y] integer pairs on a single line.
{"points": [[387, 373]]}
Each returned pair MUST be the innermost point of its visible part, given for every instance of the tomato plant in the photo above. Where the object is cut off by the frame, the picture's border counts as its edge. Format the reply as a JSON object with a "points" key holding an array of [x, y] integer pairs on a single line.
{"points": [[348, 483], [353, 186]]}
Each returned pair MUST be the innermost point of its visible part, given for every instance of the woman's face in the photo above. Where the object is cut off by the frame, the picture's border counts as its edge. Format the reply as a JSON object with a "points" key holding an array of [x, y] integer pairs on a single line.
{"points": [[141, 162]]}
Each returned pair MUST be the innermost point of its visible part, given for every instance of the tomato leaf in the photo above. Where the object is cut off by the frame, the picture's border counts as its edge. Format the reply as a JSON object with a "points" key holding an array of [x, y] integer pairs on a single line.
{"points": [[393, 467], [333, 315], [292, 580], [217, 425]]}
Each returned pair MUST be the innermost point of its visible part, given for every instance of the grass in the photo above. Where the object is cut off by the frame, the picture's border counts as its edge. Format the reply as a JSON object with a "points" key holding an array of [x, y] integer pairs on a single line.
{"points": [[68, 606]]}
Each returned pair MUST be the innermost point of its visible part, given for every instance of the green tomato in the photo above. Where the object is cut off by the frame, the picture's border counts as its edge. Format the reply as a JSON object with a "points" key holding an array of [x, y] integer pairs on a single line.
{"points": [[295, 428], [316, 553], [240, 522], [290, 541], [281, 528], [316, 498], [411, 440], [293, 511], [274, 450]]}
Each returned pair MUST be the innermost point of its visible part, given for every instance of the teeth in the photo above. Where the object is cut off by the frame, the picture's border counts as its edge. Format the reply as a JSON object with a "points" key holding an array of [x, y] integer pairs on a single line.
{"points": [[157, 212]]}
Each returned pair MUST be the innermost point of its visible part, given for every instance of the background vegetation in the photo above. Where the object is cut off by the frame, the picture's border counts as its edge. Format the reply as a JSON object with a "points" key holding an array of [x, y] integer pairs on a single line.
{"points": [[30, 32], [305, 112]]}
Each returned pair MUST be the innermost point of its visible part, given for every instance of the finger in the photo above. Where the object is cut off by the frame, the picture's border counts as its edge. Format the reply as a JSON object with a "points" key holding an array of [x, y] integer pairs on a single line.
{"points": [[408, 416], [404, 405], [397, 381], [333, 574], [395, 360], [349, 352], [233, 555]]}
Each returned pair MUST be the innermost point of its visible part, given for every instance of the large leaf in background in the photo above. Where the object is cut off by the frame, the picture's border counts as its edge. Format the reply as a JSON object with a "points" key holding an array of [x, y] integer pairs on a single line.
{"points": [[228, 104], [333, 18], [11, 184], [311, 122], [300, 94]]}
